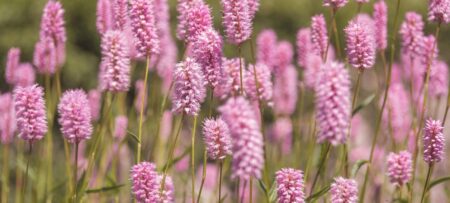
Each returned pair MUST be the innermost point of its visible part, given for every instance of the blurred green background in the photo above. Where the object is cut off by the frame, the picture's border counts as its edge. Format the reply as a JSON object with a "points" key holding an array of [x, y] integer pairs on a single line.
{"points": [[20, 19]]}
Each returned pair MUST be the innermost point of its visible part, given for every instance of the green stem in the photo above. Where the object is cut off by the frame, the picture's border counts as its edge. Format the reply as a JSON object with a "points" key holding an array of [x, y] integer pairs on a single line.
{"points": [[325, 151], [429, 173], [171, 152], [141, 114], [220, 180], [333, 17], [75, 173], [205, 158], [49, 138], [251, 190], [5, 176], [194, 128], [336, 35], [240, 69], [25, 182]]}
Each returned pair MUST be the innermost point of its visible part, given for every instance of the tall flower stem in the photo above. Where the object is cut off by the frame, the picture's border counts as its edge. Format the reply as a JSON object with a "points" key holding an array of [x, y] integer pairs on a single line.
{"points": [[25, 181], [194, 128], [205, 159], [325, 152], [171, 151], [240, 69], [5, 175], [425, 186], [220, 180], [19, 174], [383, 105], [336, 34], [251, 190], [49, 138], [141, 113], [75, 172], [333, 19]]}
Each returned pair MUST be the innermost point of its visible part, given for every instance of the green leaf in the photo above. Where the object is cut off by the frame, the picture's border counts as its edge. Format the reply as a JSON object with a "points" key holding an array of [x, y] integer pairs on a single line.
{"points": [[318, 194], [270, 194], [105, 189], [81, 184], [263, 187], [437, 182], [357, 166], [134, 136], [273, 193], [177, 159], [363, 104], [399, 200], [223, 198]]}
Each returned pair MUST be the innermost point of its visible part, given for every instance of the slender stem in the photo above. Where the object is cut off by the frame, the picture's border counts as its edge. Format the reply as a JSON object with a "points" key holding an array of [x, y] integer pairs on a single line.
{"points": [[325, 149], [194, 128], [241, 69], [312, 147], [386, 94], [336, 35], [345, 157], [171, 152], [141, 114], [358, 85], [325, 55], [251, 190], [205, 158], [75, 173], [25, 181], [5, 182], [19, 174], [243, 191], [49, 138], [238, 186], [220, 180], [425, 186]]}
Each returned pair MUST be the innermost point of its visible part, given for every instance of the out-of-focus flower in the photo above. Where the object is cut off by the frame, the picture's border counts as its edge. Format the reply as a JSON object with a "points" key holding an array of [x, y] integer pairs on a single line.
{"points": [[433, 141], [283, 56], [380, 17], [253, 6], [184, 8], [216, 136], [304, 46], [236, 20], [319, 35], [12, 63], [439, 11], [344, 191], [167, 195], [360, 44], [411, 32], [262, 88], [143, 24], [25, 75], [313, 65], [141, 96], [290, 186], [397, 118], [52, 28], [7, 118], [120, 14], [335, 3], [265, 47], [438, 78], [399, 167], [120, 127], [105, 19], [231, 83], [44, 57], [285, 91], [429, 50], [95, 97], [282, 134]]}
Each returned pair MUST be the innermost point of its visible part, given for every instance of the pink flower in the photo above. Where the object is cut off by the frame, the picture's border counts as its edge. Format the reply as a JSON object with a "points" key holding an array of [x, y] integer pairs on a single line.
{"points": [[116, 73], [262, 88], [236, 20], [143, 24], [253, 6], [44, 57], [184, 8], [362, 1], [120, 127], [290, 186], [429, 50], [247, 140], [335, 3], [12, 63], [344, 191], [75, 116], [30, 112], [167, 195], [208, 53], [7, 118], [438, 78], [94, 98], [145, 182], [25, 75], [282, 134], [216, 136], [231, 84], [189, 87], [411, 32], [285, 91], [380, 17], [433, 141], [304, 46], [120, 14], [333, 107], [266, 46], [140, 95], [284, 54], [439, 11], [198, 20], [105, 19], [52, 28], [360, 44], [313, 65], [399, 167], [397, 116], [319, 35]]}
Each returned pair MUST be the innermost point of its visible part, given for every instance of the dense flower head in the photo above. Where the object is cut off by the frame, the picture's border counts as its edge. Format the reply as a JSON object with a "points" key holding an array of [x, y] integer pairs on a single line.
{"points": [[216, 136], [143, 24], [399, 167], [94, 97], [189, 87], [12, 63], [247, 140], [184, 7], [360, 44], [231, 84], [319, 34], [207, 51], [290, 186], [7, 118], [265, 47], [236, 20], [262, 88], [253, 6], [313, 65], [433, 141], [439, 11], [380, 17], [304, 46], [52, 23], [285, 91], [198, 19], [429, 50], [396, 117], [25, 75], [75, 116], [120, 14], [167, 195], [140, 95], [411, 32], [30, 112], [344, 191], [284, 55], [333, 107], [438, 78], [335, 3], [44, 57], [105, 16], [120, 127], [116, 62], [145, 184]]}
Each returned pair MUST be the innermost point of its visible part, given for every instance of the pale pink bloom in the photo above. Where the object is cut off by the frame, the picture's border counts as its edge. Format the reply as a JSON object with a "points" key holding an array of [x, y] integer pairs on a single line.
{"points": [[25, 75], [266, 46], [95, 97], [439, 11], [120, 14], [438, 79], [285, 91], [184, 8], [231, 84], [198, 19], [344, 191], [237, 20], [120, 127], [290, 185], [319, 34], [52, 28], [216, 136], [143, 24], [44, 57], [281, 134], [105, 19], [145, 185], [380, 17], [7, 118], [141, 96], [284, 55], [397, 116], [360, 44], [304, 46], [411, 32], [313, 65], [433, 141], [12, 63], [399, 167], [262, 88]]}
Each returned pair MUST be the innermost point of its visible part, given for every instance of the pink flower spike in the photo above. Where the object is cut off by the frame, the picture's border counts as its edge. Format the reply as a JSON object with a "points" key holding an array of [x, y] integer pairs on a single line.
{"points": [[25, 75], [94, 97], [44, 57], [304, 46], [143, 24], [236, 20], [116, 70], [430, 50], [360, 44], [290, 185], [335, 3], [439, 11], [166, 195], [30, 112], [380, 17], [266, 45], [313, 65], [253, 6], [344, 191], [262, 88], [216, 136], [284, 55], [145, 184], [52, 28], [198, 19], [397, 116], [189, 87], [105, 19], [285, 91], [319, 35], [75, 116], [411, 32], [433, 141], [438, 78], [399, 167], [7, 118], [184, 8], [120, 14], [12, 63], [140, 95], [333, 107], [120, 128], [231, 84]]}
